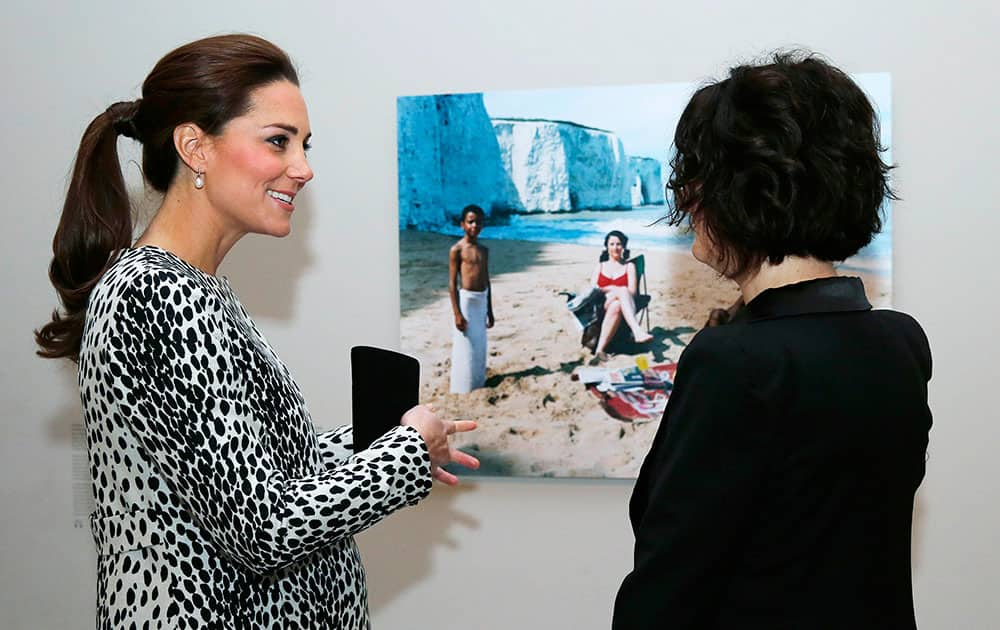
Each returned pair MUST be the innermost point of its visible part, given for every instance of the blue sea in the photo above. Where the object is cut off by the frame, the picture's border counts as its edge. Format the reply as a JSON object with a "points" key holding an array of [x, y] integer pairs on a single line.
{"points": [[588, 227]]}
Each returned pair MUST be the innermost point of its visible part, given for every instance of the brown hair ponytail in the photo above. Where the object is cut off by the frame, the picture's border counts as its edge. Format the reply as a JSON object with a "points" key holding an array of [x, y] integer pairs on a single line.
{"points": [[96, 222], [207, 82]]}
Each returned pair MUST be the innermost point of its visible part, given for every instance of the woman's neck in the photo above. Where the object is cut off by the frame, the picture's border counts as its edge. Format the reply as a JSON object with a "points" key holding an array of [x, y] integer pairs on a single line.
{"points": [[789, 271], [185, 228]]}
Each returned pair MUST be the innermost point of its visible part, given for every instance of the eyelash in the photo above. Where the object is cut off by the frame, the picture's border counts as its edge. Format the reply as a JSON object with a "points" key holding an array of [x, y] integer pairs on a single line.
{"points": [[281, 141]]}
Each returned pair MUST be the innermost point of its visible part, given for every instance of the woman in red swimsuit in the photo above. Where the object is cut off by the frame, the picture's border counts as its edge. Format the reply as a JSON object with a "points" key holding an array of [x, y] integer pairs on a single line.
{"points": [[616, 277]]}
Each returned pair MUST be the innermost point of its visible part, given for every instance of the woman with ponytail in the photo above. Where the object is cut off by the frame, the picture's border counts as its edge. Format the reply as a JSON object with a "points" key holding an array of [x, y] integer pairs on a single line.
{"points": [[217, 503]]}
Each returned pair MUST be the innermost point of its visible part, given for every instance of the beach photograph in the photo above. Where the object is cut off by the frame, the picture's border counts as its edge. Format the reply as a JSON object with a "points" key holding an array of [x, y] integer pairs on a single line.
{"points": [[554, 172]]}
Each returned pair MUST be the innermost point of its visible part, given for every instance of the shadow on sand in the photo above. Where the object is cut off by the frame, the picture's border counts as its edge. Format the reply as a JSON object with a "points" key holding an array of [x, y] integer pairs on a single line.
{"points": [[663, 340]]}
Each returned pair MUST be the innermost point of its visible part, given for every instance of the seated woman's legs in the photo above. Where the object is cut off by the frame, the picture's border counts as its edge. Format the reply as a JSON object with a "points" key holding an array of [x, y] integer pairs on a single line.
{"points": [[623, 296], [612, 317]]}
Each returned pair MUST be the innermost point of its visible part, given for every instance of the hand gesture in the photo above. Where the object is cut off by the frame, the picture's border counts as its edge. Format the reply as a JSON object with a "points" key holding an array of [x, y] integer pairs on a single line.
{"points": [[460, 322], [435, 432], [489, 320]]}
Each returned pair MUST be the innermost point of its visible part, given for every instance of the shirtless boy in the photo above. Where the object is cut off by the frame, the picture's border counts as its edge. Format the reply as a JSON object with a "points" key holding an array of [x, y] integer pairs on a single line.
{"points": [[471, 303]]}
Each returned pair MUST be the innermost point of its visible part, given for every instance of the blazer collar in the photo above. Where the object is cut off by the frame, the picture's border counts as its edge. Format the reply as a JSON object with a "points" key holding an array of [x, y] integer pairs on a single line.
{"points": [[822, 295]]}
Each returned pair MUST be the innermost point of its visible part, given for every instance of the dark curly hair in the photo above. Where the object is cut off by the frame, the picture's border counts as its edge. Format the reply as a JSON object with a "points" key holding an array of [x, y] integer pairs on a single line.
{"points": [[474, 209], [780, 159]]}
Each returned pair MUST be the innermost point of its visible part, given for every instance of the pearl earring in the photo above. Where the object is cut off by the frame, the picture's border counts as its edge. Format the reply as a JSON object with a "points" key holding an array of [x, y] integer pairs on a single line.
{"points": [[199, 181]]}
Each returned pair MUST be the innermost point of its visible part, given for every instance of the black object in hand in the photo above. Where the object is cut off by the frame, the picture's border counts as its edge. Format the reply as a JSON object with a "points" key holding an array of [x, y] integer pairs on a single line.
{"points": [[385, 384]]}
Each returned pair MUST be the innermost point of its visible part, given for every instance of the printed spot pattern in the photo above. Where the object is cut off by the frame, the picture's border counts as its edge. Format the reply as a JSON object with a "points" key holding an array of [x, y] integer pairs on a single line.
{"points": [[217, 503]]}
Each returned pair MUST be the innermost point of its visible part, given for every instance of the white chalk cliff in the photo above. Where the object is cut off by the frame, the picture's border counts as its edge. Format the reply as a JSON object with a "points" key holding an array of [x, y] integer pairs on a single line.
{"points": [[559, 166], [451, 154], [448, 158], [647, 181]]}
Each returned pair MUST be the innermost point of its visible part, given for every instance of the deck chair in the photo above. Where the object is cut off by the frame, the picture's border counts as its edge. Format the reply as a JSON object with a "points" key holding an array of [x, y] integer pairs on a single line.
{"points": [[642, 297], [592, 313]]}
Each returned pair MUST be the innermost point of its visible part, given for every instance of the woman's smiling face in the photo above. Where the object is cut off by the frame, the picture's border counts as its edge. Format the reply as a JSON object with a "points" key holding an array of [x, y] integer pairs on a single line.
{"points": [[257, 165], [615, 248]]}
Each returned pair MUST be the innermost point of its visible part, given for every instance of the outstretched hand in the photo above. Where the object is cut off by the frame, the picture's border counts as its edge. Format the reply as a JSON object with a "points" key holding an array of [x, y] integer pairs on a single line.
{"points": [[435, 432]]}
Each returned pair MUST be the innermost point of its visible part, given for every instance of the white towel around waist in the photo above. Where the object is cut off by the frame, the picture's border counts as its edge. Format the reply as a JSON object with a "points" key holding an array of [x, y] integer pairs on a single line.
{"points": [[468, 349]]}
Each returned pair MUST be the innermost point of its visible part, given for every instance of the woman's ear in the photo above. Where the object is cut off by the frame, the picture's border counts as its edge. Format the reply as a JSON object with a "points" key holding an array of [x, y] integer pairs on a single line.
{"points": [[192, 145]]}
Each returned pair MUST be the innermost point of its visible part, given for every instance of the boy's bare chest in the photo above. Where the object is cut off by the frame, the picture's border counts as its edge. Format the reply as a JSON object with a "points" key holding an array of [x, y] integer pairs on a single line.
{"points": [[472, 255]]}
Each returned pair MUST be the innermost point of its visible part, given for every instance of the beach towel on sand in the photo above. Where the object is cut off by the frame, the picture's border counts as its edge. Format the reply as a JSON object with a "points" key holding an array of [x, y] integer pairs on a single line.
{"points": [[468, 349], [641, 401]]}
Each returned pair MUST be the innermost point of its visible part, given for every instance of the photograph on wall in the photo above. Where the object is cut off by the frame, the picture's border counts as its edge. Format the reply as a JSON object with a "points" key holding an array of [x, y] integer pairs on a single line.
{"points": [[538, 289]]}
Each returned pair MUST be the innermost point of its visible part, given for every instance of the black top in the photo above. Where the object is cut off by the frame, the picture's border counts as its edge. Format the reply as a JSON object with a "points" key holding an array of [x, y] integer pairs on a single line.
{"points": [[778, 491]]}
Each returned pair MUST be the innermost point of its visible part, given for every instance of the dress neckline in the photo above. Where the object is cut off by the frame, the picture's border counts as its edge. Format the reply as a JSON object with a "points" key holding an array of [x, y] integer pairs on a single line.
{"points": [[219, 281]]}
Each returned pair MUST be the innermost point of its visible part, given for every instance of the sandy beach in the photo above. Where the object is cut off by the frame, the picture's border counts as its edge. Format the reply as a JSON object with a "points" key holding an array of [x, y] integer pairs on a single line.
{"points": [[534, 419]]}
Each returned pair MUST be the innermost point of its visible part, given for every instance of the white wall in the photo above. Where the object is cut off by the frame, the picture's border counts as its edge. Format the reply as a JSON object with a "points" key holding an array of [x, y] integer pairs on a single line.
{"points": [[494, 553]]}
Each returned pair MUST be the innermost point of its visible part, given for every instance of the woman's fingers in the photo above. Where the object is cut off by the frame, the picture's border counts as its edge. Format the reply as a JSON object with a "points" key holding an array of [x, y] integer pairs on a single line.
{"points": [[461, 426], [441, 452], [444, 476], [464, 459]]}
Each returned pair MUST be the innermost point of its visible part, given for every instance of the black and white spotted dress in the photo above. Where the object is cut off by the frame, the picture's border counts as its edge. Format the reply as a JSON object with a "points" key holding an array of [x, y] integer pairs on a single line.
{"points": [[218, 504]]}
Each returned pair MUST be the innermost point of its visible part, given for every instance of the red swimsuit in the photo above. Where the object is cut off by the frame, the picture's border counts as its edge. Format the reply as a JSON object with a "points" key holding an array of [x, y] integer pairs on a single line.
{"points": [[620, 281]]}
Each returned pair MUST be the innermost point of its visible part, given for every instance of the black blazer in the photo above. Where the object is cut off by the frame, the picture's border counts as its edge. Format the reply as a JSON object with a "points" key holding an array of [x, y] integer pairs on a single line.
{"points": [[778, 491]]}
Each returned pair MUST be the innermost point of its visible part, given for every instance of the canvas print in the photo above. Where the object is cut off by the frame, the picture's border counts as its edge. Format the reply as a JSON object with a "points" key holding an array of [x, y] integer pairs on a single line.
{"points": [[513, 207]]}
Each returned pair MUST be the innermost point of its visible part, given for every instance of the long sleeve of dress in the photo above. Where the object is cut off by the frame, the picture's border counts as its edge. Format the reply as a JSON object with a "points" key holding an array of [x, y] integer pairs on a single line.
{"points": [[336, 445], [185, 377]]}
